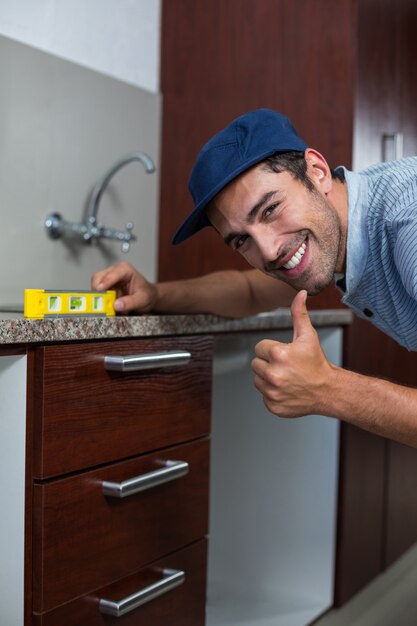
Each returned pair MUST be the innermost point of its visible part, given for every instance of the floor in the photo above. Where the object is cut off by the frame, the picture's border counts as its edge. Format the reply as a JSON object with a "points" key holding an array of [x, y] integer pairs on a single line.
{"points": [[390, 600]]}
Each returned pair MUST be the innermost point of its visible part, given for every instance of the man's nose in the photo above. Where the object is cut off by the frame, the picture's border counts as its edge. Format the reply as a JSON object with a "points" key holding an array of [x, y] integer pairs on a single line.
{"points": [[268, 247]]}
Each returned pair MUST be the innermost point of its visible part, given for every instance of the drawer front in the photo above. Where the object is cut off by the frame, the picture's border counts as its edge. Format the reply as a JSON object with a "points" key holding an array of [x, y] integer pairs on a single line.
{"points": [[183, 605], [86, 415], [84, 539]]}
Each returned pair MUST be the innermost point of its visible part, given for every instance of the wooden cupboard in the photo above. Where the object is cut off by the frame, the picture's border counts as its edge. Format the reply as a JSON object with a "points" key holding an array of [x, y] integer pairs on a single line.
{"points": [[117, 492], [104, 528], [183, 606], [380, 476]]}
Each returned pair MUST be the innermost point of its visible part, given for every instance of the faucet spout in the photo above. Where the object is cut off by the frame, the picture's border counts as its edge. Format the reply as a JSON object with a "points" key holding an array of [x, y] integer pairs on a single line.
{"points": [[100, 186], [89, 230]]}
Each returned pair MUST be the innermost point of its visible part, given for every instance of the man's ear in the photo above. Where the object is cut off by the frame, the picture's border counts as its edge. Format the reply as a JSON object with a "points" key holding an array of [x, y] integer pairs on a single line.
{"points": [[318, 170]]}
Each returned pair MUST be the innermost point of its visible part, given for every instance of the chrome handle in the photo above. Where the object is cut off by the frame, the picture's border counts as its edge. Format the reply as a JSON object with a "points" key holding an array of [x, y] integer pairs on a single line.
{"points": [[392, 146], [171, 471], [171, 578], [136, 362]]}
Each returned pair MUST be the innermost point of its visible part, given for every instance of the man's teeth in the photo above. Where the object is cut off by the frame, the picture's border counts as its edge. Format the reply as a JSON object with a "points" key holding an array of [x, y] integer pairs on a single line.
{"points": [[294, 261]]}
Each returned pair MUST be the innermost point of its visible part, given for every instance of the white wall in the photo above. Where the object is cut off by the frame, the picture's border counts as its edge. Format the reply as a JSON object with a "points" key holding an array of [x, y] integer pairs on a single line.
{"points": [[120, 38], [62, 126], [12, 487], [79, 89]]}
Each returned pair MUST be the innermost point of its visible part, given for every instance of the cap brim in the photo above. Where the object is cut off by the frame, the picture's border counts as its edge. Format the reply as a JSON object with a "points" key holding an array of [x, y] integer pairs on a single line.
{"points": [[197, 219]]}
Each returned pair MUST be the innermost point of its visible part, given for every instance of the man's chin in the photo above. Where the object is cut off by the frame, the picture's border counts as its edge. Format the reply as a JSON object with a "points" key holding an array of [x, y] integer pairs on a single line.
{"points": [[312, 287], [317, 288]]}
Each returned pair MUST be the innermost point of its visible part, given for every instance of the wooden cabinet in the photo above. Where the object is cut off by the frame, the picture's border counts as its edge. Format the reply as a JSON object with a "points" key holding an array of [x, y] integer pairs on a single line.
{"points": [[87, 415], [183, 606], [387, 91], [379, 477], [119, 486]]}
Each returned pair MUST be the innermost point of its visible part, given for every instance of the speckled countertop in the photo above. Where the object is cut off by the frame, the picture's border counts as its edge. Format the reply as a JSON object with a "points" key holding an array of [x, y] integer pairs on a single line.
{"points": [[15, 329]]}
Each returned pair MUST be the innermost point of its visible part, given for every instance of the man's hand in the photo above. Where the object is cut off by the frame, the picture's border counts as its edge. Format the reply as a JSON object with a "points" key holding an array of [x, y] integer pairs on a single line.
{"points": [[294, 378], [134, 292]]}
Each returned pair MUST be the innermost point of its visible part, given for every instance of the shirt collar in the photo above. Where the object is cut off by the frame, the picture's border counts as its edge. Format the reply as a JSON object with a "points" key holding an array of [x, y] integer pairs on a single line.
{"points": [[357, 238]]}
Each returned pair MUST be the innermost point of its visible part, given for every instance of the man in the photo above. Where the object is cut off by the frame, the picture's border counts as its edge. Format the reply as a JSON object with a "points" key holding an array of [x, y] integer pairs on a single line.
{"points": [[277, 202]]}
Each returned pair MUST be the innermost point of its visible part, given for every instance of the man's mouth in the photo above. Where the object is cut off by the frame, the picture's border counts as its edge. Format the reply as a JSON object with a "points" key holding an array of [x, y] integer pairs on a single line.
{"points": [[295, 260]]}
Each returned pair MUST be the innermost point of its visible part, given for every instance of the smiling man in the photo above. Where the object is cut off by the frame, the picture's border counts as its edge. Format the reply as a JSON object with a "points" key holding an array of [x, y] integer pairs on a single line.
{"points": [[300, 225], [293, 230]]}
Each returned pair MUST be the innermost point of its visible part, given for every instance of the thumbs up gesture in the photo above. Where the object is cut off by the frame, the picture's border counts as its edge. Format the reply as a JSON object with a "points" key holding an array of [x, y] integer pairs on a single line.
{"points": [[294, 378]]}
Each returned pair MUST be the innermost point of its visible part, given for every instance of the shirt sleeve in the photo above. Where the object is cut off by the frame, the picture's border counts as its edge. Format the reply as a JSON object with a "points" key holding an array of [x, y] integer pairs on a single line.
{"points": [[404, 230]]}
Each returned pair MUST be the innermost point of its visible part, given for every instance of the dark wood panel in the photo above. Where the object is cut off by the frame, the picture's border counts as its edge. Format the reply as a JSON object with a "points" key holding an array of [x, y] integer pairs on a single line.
{"points": [[183, 606], [377, 109], [87, 416], [386, 79], [386, 359], [12, 350], [220, 59], [28, 581], [401, 516], [401, 528], [361, 509], [373, 489], [406, 12], [372, 353], [385, 103], [84, 540], [362, 479]]}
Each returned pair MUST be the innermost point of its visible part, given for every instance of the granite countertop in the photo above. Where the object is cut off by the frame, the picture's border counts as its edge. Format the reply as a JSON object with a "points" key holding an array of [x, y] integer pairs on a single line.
{"points": [[15, 329]]}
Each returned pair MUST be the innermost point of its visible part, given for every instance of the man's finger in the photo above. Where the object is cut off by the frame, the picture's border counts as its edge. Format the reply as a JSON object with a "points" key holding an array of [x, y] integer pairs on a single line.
{"points": [[138, 301], [263, 348], [106, 279], [301, 320], [259, 366]]}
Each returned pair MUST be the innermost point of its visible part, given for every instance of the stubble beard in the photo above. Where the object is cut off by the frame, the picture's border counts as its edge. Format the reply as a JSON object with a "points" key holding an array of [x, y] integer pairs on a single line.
{"points": [[327, 243]]}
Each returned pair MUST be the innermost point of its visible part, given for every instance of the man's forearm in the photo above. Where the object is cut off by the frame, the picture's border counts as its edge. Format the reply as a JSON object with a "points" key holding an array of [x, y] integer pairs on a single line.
{"points": [[221, 293], [376, 405], [230, 293], [296, 379]]}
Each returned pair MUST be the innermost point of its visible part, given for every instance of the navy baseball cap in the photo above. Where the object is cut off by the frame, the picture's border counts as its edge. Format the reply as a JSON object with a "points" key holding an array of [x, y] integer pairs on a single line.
{"points": [[249, 139]]}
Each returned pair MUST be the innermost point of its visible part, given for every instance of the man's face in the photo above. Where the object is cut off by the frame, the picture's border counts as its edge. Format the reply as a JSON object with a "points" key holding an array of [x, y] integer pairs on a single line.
{"points": [[281, 227]]}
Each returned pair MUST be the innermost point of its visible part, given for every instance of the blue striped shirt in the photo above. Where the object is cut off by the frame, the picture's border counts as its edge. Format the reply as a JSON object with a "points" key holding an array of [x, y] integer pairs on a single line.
{"points": [[381, 260]]}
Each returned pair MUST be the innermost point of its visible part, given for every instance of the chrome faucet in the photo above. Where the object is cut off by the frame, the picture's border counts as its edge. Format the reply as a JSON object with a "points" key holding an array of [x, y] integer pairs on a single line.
{"points": [[90, 230]]}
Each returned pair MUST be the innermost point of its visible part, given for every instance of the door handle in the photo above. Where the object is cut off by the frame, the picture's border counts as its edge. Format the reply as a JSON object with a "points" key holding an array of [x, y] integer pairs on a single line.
{"points": [[138, 362], [170, 471], [171, 578]]}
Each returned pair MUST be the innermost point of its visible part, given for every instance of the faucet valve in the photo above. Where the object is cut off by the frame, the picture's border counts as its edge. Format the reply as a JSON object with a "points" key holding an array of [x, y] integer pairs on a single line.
{"points": [[129, 236], [89, 230]]}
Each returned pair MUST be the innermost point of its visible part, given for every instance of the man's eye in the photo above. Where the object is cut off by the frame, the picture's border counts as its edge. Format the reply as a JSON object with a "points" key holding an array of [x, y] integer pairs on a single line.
{"points": [[269, 210], [239, 241]]}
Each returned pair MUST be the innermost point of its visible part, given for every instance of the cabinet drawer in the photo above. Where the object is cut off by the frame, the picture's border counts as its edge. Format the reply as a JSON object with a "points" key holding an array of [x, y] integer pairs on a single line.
{"points": [[182, 606], [86, 415], [84, 539]]}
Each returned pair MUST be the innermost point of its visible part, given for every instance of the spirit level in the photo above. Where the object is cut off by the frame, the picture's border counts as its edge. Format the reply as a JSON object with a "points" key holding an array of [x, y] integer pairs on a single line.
{"points": [[40, 303]]}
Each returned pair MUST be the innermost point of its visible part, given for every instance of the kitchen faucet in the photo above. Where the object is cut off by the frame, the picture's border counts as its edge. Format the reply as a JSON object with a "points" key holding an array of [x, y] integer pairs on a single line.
{"points": [[90, 230]]}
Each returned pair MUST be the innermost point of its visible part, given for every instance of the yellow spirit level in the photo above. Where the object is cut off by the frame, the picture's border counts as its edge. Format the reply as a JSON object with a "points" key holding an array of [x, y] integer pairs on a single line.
{"points": [[40, 303]]}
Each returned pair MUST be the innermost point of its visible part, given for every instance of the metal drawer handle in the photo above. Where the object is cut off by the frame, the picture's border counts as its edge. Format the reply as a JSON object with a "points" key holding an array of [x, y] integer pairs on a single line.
{"points": [[170, 471], [171, 578], [136, 362]]}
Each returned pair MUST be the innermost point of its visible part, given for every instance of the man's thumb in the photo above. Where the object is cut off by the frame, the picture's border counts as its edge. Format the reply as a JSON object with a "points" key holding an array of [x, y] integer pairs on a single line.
{"points": [[299, 313]]}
